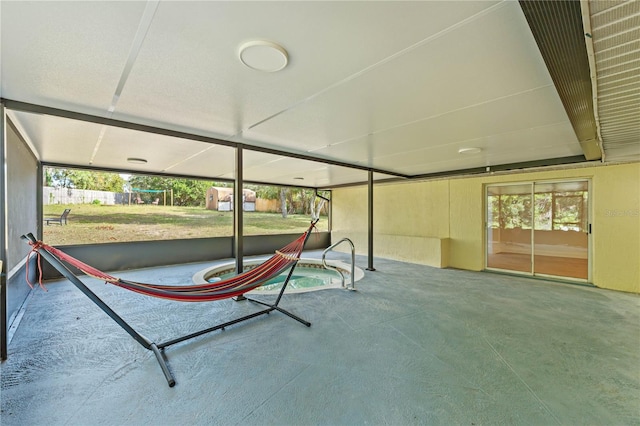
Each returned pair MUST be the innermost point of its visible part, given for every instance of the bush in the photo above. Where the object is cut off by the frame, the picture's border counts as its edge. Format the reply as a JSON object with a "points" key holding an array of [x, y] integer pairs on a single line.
{"points": [[96, 202]]}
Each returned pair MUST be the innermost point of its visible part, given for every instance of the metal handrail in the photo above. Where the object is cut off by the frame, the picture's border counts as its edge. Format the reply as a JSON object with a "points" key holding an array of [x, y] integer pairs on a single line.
{"points": [[353, 262]]}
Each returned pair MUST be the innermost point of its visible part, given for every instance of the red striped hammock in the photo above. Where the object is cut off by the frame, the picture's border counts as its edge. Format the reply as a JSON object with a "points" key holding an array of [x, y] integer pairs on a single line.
{"points": [[237, 285]]}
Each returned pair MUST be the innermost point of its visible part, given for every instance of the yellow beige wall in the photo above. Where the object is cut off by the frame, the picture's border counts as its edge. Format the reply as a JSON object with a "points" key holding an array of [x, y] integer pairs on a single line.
{"points": [[441, 222], [411, 221]]}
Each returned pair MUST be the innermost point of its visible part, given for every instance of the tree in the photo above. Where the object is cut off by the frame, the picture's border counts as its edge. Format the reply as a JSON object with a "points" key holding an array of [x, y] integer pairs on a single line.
{"points": [[316, 207], [186, 192], [83, 179], [292, 199], [283, 201], [269, 192], [112, 182]]}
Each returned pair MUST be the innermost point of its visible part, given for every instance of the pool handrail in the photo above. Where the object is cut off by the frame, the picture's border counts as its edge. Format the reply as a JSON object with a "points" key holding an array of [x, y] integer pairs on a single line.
{"points": [[338, 270]]}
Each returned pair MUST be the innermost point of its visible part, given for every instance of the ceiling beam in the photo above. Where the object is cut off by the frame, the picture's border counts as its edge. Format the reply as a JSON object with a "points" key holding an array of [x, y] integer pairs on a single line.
{"points": [[476, 171]]}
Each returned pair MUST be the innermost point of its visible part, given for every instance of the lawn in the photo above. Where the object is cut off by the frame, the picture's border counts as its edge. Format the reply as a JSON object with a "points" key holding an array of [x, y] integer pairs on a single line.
{"points": [[91, 223]]}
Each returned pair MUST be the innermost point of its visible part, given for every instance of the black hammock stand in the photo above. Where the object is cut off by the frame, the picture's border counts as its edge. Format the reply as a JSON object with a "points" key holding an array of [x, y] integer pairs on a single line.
{"points": [[287, 257]]}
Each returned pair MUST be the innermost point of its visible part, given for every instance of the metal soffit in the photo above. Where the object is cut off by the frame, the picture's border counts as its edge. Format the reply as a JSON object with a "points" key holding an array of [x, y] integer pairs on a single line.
{"points": [[615, 38]]}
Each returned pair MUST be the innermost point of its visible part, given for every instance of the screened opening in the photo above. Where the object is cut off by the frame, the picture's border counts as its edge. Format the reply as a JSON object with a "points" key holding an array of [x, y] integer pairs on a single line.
{"points": [[106, 207]]}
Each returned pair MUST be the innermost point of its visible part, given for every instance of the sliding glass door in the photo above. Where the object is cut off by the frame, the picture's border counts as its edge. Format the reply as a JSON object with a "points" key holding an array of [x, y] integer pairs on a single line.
{"points": [[539, 228]]}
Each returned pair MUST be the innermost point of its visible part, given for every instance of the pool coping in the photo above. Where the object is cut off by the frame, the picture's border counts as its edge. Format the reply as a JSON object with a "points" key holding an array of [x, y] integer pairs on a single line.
{"points": [[199, 277]]}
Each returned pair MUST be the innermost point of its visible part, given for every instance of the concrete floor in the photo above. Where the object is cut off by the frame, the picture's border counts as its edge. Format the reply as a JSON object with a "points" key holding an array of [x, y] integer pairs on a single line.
{"points": [[415, 345]]}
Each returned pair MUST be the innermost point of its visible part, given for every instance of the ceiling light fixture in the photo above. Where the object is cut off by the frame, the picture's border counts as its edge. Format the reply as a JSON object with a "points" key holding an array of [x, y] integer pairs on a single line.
{"points": [[472, 150], [134, 160], [298, 178], [263, 55]]}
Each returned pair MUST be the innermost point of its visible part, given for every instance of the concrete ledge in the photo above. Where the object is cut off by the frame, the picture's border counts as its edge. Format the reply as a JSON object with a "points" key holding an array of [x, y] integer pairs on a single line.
{"points": [[431, 251]]}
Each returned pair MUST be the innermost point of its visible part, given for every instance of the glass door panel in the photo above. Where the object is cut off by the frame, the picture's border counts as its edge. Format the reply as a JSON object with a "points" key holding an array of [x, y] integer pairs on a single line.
{"points": [[509, 224], [561, 229]]}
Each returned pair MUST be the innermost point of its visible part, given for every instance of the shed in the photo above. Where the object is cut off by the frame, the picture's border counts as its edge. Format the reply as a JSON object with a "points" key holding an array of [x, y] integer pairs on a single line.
{"points": [[221, 199]]}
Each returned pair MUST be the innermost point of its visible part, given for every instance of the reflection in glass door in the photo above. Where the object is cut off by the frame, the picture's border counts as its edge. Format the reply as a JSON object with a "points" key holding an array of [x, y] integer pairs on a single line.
{"points": [[539, 228], [509, 244], [561, 243]]}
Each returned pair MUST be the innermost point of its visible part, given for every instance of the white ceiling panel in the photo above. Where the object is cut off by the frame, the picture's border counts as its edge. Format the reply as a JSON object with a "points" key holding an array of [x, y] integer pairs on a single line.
{"points": [[267, 168], [66, 55], [161, 152], [214, 161], [514, 147], [414, 164], [285, 170], [427, 81], [517, 118], [58, 140], [291, 171], [188, 72]]}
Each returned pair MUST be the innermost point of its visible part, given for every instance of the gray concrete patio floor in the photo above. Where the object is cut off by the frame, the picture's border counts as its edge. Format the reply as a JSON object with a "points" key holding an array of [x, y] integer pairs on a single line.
{"points": [[414, 345]]}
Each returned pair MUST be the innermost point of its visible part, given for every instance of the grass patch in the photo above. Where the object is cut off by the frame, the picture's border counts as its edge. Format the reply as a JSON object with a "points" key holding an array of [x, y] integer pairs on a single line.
{"points": [[93, 224]]}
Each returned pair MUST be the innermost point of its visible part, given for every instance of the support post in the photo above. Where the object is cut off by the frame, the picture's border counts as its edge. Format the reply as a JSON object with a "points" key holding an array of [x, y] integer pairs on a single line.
{"points": [[238, 246], [370, 209], [3, 235], [40, 203]]}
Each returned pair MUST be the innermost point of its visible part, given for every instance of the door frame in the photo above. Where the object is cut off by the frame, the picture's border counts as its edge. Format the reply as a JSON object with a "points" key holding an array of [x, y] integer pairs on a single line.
{"points": [[532, 183]]}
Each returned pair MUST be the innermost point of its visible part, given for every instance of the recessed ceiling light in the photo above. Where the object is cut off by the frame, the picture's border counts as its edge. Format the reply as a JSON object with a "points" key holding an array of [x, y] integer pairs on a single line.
{"points": [[263, 55], [472, 150], [136, 160]]}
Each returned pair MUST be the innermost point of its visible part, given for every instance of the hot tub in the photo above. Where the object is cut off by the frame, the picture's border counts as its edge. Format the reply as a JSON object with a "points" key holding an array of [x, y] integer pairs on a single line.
{"points": [[309, 275]]}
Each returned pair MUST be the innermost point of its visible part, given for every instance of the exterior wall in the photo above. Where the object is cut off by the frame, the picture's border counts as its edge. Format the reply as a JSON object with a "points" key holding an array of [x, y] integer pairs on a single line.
{"points": [[22, 213], [411, 222], [466, 224], [452, 211], [617, 227]]}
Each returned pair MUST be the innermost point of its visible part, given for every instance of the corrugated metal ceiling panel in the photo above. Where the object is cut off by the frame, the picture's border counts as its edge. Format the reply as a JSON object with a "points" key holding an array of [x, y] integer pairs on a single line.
{"points": [[616, 43]]}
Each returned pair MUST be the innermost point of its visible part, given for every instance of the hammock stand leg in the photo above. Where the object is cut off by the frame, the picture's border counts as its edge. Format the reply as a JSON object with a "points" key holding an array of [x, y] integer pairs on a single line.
{"points": [[272, 307], [275, 306], [146, 343]]}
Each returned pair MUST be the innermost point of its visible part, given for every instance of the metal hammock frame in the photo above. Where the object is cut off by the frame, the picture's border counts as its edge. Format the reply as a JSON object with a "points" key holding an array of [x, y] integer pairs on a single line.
{"points": [[285, 258]]}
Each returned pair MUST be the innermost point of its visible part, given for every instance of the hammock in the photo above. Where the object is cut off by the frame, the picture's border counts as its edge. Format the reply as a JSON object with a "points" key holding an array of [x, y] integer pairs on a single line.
{"points": [[224, 289], [236, 286]]}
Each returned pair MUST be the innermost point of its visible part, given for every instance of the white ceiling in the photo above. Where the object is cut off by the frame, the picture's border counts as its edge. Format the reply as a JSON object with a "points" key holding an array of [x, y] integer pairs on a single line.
{"points": [[393, 86]]}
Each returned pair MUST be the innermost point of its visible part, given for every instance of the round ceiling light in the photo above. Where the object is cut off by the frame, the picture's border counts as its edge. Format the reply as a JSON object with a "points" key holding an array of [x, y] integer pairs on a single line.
{"points": [[473, 150], [263, 55], [134, 160]]}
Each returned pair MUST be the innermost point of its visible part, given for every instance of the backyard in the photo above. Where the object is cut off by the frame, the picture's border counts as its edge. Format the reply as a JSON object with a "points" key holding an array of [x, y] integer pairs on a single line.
{"points": [[95, 223]]}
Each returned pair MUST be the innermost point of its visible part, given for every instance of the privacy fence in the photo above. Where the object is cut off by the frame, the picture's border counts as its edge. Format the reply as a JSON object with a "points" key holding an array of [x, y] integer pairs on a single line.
{"points": [[53, 195]]}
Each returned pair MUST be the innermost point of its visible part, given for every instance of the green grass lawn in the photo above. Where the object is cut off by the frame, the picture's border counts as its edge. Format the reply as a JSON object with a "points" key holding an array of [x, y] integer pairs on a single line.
{"points": [[91, 223]]}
